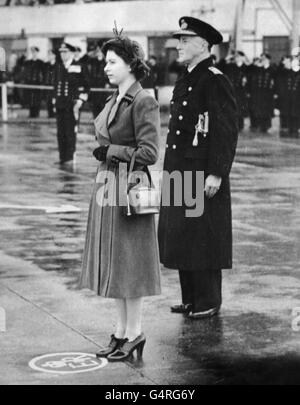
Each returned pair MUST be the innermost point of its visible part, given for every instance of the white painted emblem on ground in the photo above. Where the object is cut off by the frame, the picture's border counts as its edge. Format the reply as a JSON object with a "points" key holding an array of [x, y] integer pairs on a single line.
{"points": [[67, 363], [2, 320], [48, 210]]}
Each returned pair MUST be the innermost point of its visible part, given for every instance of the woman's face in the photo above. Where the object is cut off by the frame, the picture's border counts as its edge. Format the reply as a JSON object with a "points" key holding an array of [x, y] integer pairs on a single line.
{"points": [[116, 68]]}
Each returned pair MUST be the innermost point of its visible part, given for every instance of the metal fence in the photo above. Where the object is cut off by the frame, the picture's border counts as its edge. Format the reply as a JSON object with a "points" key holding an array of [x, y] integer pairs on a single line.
{"points": [[8, 85]]}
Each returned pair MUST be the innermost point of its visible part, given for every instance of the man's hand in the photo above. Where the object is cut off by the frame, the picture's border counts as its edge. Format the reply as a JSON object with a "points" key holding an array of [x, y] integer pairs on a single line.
{"points": [[212, 185], [76, 108]]}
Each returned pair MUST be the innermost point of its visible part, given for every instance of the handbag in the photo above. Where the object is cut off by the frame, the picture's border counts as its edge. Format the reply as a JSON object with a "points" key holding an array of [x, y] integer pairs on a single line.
{"points": [[141, 199]]}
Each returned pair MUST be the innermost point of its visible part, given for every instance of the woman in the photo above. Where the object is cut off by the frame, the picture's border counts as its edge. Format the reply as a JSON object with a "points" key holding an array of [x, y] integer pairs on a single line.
{"points": [[121, 253]]}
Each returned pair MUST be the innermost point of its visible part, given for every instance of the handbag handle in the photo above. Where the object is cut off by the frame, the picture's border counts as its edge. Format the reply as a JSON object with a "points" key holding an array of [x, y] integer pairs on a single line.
{"points": [[131, 166]]}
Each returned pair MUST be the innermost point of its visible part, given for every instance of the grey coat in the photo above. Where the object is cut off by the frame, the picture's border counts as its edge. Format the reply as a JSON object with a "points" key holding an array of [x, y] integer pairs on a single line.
{"points": [[121, 257]]}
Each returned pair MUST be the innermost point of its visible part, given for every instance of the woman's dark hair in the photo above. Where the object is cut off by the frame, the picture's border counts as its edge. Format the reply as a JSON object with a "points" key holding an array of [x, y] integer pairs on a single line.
{"points": [[132, 54]]}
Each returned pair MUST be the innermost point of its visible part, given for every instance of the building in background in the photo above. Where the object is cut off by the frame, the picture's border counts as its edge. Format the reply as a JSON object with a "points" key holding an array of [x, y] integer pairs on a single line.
{"points": [[151, 22]]}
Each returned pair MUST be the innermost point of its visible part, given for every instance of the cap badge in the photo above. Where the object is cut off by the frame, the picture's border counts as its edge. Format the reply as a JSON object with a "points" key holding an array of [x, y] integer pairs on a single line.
{"points": [[184, 25]]}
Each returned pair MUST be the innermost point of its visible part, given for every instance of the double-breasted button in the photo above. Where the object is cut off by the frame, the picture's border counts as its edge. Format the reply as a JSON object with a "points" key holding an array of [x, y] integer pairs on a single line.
{"points": [[174, 146], [180, 117], [184, 103], [178, 132], [172, 102], [204, 135], [167, 145], [170, 116], [190, 88]]}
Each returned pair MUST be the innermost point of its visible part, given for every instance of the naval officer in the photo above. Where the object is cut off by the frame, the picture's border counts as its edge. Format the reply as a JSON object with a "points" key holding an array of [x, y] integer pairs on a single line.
{"points": [[202, 136], [70, 92]]}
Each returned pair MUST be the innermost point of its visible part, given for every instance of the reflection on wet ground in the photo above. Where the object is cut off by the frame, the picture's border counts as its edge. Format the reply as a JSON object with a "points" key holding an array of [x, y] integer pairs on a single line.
{"points": [[252, 341]]}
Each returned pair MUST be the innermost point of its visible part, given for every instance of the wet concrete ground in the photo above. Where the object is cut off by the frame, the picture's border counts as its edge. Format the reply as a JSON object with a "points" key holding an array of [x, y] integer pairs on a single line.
{"points": [[253, 341]]}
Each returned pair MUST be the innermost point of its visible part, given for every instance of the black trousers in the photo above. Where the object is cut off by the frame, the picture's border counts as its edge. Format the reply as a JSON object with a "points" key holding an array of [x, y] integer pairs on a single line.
{"points": [[289, 126], [202, 289], [34, 103], [66, 134]]}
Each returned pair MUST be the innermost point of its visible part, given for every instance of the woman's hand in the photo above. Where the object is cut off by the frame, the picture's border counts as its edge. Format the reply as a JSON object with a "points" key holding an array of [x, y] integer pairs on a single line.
{"points": [[101, 152]]}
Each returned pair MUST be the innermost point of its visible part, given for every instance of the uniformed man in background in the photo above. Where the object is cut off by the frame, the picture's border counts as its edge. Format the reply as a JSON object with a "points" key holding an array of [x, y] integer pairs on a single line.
{"points": [[71, 91], [261, 90], [237, 74], [50, 67], [202, 137], [34, 74], [98, 79]]}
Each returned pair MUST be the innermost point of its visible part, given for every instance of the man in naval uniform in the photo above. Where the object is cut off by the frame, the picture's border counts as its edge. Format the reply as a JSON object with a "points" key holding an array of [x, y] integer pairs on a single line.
{"points": [[202, 137], [70, 92], [34, 74]]}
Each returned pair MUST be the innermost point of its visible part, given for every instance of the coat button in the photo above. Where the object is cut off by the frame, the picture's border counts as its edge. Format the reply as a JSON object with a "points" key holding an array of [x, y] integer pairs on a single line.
{"points": [[167, 145], [174, 146], [170, 116], [180, 117], [204, 135], [190, 88], [184, 103], [172, 102], [178, 132]]}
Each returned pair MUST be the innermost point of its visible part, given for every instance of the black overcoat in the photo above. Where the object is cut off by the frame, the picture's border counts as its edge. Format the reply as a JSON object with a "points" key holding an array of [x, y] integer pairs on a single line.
{"points": [[238, 77], [287, 88], [261, 89], [205, 241]]}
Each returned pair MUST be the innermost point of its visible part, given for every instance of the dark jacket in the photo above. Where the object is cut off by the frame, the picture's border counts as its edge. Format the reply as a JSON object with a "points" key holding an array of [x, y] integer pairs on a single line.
{"points": [[238, 77], [70, 84], [205, 241], [287, 89], [34, 72], [261, 90], [49, 72]]}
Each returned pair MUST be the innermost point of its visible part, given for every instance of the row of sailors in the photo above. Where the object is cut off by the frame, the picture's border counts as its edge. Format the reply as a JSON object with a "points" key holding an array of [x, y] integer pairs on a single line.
{"points": [[262, 87], [36, 72]]}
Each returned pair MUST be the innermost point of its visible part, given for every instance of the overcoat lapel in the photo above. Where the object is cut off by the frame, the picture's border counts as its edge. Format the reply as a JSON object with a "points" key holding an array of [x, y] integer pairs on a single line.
{"points": [[133, 90]]}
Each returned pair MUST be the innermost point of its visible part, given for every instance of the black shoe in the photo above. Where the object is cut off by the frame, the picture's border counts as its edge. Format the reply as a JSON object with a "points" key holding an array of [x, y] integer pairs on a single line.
{"points": [[112, 346], [204, 314], [124, 351], [181, 308]]}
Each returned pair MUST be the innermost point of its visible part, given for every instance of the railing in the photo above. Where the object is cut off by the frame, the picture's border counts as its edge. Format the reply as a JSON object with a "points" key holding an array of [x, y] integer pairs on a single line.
{"points": [[5, 86]]}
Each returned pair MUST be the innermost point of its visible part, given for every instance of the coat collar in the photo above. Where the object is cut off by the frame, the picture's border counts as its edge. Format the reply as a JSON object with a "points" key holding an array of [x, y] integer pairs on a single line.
{"points": [[129, 96], [202, 66]]}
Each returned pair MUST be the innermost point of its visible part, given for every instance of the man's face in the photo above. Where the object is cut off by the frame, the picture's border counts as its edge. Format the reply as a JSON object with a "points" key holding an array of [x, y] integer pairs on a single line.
{"points": [[239, 59], [287, 63], [190, 48], [152, 61], [51, 56], [66, 55], [34, 54]]}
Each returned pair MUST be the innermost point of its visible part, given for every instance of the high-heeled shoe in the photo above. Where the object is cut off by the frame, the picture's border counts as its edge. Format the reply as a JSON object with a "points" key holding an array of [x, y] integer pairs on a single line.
{"points": [[124, 351], [112, 347]]}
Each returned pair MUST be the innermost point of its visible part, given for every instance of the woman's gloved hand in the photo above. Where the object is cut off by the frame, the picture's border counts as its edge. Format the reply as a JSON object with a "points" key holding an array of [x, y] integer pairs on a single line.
{"points": [[101, 152]]}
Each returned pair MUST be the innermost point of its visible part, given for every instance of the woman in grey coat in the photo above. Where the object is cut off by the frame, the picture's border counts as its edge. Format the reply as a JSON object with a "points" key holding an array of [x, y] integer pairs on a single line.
{"points": [[121, 259]]}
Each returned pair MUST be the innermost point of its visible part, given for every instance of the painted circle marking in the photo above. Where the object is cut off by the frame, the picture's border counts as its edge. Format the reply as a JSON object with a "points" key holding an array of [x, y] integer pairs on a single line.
{"points": [[67, 363]]}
